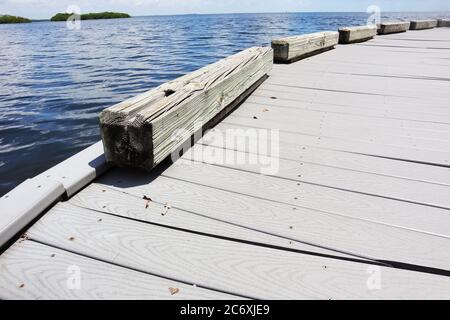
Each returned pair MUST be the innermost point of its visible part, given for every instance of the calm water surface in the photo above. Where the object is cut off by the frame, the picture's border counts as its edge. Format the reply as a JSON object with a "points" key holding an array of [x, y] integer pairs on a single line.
{"points": [[54, 81]]}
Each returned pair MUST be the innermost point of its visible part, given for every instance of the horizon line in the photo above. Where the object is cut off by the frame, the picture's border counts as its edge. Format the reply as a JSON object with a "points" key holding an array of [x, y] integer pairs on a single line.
{"points": [[230, 13]]}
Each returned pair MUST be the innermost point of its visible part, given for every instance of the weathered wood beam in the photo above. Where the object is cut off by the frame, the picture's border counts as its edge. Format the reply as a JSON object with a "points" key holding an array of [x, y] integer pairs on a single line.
{"points": [[291, 49], [139, 132], [393, 27], [422, 24], [357, 34]]}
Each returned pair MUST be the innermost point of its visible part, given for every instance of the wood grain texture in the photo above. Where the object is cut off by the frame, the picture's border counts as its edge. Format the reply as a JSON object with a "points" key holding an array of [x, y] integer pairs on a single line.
{"points": [[33, 271], [143, 132], [393, 27], [224, 265], [356, 34], [294, 48]]}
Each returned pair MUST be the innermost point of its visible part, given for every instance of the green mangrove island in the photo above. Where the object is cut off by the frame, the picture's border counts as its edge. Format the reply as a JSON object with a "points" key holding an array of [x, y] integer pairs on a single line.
{"points": [[91, 16], [13, 19]]}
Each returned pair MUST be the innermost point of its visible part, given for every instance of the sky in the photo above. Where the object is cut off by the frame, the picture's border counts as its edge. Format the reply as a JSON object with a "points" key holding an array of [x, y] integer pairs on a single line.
{"points": [[44, 9]]}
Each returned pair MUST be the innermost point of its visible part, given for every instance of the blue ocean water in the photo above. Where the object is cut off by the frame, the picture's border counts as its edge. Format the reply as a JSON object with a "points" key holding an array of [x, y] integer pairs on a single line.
{"points": [[54, 80]]}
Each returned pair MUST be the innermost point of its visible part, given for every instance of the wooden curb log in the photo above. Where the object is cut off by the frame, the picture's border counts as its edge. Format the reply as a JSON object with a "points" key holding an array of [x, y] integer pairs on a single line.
{"points": [[139, 132], [291, 49], [393, 27], [356, 34], [422, 24], [443, 23]]}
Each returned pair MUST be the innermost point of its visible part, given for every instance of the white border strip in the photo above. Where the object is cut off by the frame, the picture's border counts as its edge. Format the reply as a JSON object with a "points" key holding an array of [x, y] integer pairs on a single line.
{"points": [[25, 202]]}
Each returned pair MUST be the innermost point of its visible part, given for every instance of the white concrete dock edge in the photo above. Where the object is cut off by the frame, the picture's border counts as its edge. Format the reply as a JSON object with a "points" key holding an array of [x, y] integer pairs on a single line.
{"points": [[25, 202], [80, 169]]}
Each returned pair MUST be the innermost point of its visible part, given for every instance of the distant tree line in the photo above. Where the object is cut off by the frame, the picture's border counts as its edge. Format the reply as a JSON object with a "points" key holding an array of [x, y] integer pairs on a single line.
{"points": [[64, 16], [91, 16], [13, 19]]}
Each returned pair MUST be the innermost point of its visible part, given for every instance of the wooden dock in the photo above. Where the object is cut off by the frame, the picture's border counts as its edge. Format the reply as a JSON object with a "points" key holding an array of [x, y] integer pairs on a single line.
{"points": [[358, 208]]}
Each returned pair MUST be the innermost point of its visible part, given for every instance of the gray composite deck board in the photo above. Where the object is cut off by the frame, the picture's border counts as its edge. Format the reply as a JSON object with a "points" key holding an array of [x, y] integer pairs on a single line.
{"points": [[364, 85], [31, 270], [344, 126], [355, 100], [378, 113], [364, 176], [349, 160], [317, 197], [352, 144], [422, 193], [227, 266], [330, 230], [213, 218]]}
